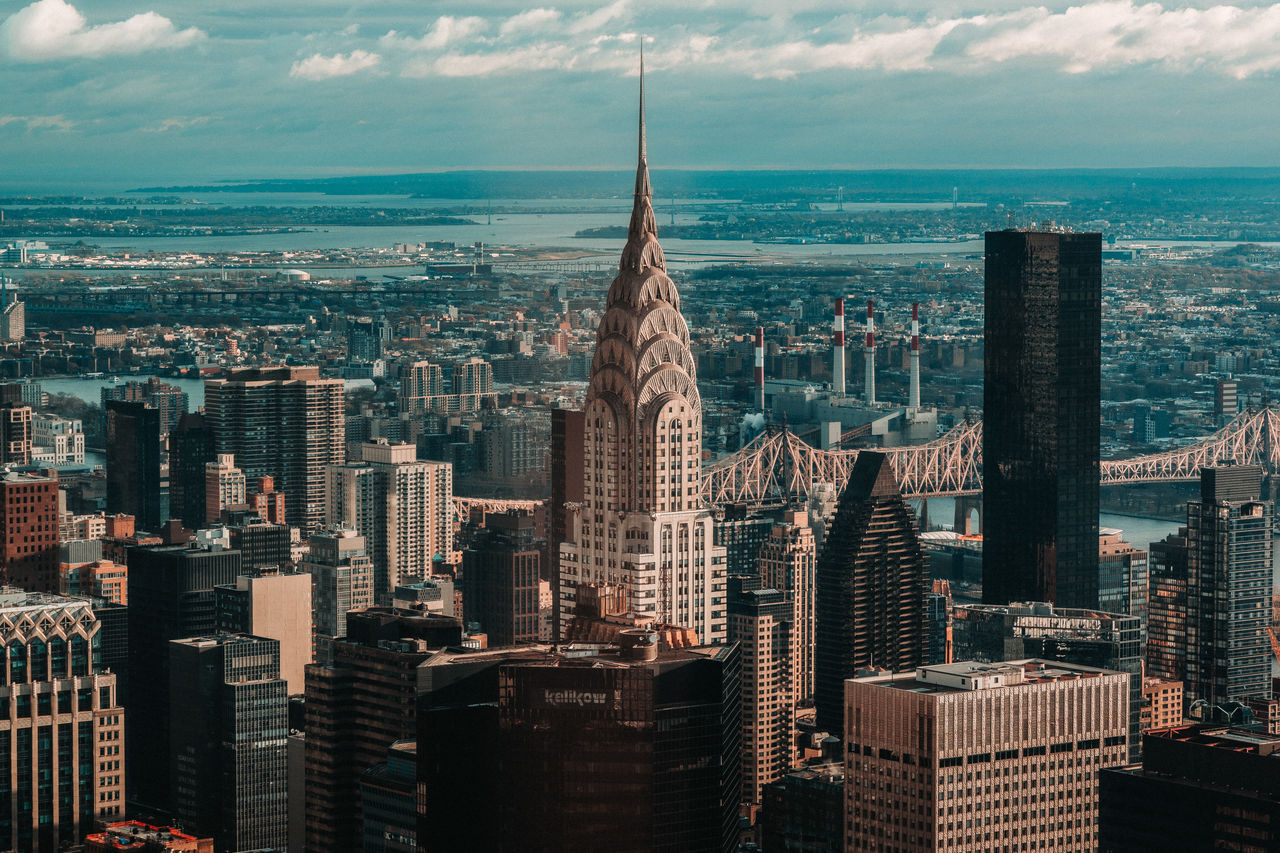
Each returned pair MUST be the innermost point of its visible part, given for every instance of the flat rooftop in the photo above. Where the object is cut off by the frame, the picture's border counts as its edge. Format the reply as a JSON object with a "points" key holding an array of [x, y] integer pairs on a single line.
{"points": [[967, 676]]}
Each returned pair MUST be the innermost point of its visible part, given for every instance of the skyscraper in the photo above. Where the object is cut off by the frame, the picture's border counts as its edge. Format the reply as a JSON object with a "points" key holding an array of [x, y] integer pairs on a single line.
{"points": [[402, 506], [642, 528], [1041, 404], [1167, 608], [760, 622], [170, 598], [63, 732], [227, 744], [224, 487], [285, 423], [15, 426], [191, 446], [421, 389], [567, 479], [869, 587], [341, 581], [975, 757], [274, 605], [29, 532], [1229, 546], [787, 565], [133, 462], [500, 574]]}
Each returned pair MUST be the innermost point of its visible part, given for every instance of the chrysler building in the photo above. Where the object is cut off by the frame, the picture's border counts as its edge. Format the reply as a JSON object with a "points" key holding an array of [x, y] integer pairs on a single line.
{"points": [[642, 537]]}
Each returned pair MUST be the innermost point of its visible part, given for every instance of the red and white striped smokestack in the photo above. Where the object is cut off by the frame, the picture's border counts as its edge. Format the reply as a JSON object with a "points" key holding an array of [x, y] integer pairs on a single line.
{"points": [[837, 349], [760, 367], [913, 388], [870, 353]]}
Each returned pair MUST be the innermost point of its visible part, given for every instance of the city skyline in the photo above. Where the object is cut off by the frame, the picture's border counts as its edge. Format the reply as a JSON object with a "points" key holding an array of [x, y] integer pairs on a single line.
{"points": [[136, 93]]}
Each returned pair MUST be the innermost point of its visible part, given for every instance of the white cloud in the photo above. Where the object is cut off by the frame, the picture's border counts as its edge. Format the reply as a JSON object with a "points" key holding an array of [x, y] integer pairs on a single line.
{"points": [[530, 20], [58, 122], [591, 22], [321, 67], [445, 31], [178, 123], [54, 29]]}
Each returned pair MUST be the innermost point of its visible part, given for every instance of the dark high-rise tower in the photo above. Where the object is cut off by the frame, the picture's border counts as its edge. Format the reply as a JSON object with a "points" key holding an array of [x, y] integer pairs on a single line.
{"points": [[1040, 418], [869, 587], [500, 573], [191, 445], [133, 462]]}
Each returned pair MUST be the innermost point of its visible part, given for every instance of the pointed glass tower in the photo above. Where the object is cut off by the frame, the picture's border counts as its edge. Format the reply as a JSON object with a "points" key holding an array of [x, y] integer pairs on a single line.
{"points": [[642, 540]]}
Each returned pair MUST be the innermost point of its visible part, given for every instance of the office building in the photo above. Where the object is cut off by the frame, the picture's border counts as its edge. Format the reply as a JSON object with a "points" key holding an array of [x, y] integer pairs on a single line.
{"points": [[632, 748], [170, 401], [1161, 704], [133, 462], [62, 735], [389, 801], [869, 587], [567, 479], [137, 837], [224, 487], [642, 527], [103, 579], [742, 533], [804, 810], [275, 605], [500, 574], [29, 531], [262, 545], [995, 756], [15, 427], [787, 565], [992, 633], [1226, 400], [1229, 562], [57, 440], [359, 705], [760, 622], [191, 447], [403, 508], [227, 743], [341, 581], [170, 598], [1199, 787], [1123, 578], [1167, 608], [285, 423], [1040, 418], [265, 502], [939, 631]]}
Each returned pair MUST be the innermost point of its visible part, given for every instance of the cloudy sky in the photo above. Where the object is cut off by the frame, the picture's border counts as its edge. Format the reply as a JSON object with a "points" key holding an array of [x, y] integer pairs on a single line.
{"points": [[159, 91]]}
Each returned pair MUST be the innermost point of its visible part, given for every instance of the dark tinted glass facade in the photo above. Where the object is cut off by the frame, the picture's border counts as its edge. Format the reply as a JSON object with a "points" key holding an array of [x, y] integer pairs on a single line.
{"points": [[869, 588], [133, 462], [500, 574], [1040, 417]]}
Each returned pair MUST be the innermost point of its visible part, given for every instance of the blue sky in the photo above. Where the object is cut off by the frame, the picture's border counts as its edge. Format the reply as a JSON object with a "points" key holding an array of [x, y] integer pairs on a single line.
{"points": [[126, 92]]}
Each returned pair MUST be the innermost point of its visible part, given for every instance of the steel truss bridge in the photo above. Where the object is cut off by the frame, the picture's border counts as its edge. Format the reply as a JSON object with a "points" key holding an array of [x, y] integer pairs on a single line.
{"points": [[777, 466]]}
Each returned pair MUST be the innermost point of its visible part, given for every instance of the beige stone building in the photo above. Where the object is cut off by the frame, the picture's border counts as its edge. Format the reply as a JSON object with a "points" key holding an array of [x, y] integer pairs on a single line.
{"points": [[981, 757], [786, 564], [760, 623], [1161, 704]]}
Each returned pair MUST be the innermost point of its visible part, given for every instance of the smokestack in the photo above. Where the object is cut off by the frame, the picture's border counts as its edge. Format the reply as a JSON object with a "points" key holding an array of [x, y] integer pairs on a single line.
{"points": [[837, 350], [760, 367], [913, 389], [871, 354]]}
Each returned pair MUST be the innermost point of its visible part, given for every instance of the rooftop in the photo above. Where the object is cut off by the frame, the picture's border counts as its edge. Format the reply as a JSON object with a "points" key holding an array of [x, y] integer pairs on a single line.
{"points": [[967, 676], [1236, 740]]}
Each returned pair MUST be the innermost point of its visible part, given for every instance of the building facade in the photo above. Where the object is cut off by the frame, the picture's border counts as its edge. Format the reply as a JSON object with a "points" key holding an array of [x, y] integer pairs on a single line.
{"points": [[274, 605], [501, 570], [191, 447], [994, 756], [224, 487], [341, 581], [29, 531], [787, 565], [642, 527], [285, 423], [133, 462], [760, 622], [62, 739], [869, 587], [1040, 419]]}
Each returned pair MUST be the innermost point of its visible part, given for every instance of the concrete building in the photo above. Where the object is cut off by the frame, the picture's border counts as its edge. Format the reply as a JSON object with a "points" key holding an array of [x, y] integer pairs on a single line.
{"points": [[275, 605], [760, 622], [103, 579], [500, 573], [227, 741], [421, 387], [1198, 788], [642, 526], [1041, 427], [1229, 558], [341, 581], [787, 565], [1161, 704], [63, 735], [804, 810], [57, 440], [29, 531], [15, 427], [224, 487], [869, 587], [995, 755], [285, 423], [403, 508], [992, 633]]}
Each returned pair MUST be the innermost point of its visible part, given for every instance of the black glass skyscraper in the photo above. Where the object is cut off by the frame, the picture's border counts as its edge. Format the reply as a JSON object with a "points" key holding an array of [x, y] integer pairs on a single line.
{"points": [[1040, 418]]}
